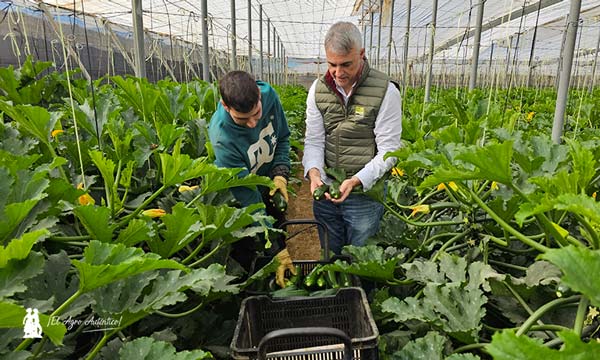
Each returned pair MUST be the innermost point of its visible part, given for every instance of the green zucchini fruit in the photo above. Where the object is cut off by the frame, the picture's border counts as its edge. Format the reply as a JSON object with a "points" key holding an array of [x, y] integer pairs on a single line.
{"points": [[319, 192], [279, 201], [334, 190]]}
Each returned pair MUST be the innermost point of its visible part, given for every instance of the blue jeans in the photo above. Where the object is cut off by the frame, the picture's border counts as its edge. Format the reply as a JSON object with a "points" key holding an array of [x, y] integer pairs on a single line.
{"points": [[349, 223]]}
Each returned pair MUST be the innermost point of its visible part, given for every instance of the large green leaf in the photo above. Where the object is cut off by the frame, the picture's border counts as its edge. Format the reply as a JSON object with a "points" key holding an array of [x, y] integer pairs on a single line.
{"points": [[13, 215], [146, 348], [96, 220], [429, 347], [35, 120], [168, 134], [134, 298], [105, 263], [451, 267], [178, 168], [506, 345], [14, 274], [215, 179], [579, 204], [12, 316], [107, 170], [446, 175], [226, 221], [492, 161], [369, 261], [584, 164], [139, 95], [455, 306], [137, 231], [577, 263], [55, 281], [19, 248], [182, 226]]}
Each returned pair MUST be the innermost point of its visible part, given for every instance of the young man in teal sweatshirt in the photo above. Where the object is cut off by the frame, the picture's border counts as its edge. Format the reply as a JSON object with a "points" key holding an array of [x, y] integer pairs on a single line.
{"points": [[249, 131]]}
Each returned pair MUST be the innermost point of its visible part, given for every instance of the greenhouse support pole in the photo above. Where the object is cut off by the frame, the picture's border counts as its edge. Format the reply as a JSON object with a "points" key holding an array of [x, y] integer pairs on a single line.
{"points": [[138, 38], [476, 44], [274, 58], [406, 38], [371, 37], [562, 50], [530, 70], [565, 75], [250, 36], [280, 60], [205, 56], [390, 40], [261, 74], [431, 48], [268, 50], [593, 80], [379, 33], [233, 38]]}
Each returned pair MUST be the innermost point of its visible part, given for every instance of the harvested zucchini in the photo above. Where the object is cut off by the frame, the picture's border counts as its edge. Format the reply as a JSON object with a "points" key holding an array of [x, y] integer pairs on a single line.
{"points": [[334, 190], [319, 192], [279, 201]]}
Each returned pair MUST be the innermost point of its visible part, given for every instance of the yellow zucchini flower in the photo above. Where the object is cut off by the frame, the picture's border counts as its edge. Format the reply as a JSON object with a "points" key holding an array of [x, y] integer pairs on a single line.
{"points": [[154, 213]]}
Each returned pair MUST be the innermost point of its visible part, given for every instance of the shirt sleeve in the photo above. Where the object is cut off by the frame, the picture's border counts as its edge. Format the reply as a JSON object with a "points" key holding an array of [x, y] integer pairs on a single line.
{"points": [[314, 138], [388, 129]]}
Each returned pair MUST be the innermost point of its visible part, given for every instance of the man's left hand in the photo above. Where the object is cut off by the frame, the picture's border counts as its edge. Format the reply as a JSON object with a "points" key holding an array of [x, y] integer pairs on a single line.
{"points": [[346, 188], [281, 186]]}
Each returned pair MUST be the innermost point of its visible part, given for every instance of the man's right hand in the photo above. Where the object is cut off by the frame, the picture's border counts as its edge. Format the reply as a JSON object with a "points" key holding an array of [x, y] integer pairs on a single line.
{"points": [[314, 176]]}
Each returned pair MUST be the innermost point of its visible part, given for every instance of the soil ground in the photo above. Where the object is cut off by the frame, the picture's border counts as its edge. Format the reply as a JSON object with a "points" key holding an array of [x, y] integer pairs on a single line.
{"points": [[303, 241]]}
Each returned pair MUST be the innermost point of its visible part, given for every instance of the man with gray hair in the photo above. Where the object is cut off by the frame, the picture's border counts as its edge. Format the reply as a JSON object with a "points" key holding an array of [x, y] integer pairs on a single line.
{"points": [[353, 118]]}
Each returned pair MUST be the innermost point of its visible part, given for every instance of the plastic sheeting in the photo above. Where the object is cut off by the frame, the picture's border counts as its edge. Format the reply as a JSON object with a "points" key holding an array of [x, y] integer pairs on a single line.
{"points": [[302, 24]]}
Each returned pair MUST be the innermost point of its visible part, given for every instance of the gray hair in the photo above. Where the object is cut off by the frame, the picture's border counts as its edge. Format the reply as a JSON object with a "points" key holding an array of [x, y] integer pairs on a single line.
{"points": [[342, 37]]}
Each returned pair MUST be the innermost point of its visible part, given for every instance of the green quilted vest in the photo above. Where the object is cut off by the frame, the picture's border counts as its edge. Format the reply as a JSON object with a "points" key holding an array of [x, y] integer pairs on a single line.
{"points": [[350, 141]]}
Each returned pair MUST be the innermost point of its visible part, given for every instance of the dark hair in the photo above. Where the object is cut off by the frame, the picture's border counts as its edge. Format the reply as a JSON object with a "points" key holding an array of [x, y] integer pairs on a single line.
{"points": [[239, 91]]}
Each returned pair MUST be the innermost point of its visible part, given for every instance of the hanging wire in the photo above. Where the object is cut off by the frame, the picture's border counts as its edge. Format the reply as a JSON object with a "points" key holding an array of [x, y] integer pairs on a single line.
{"points": [[89, 55]]}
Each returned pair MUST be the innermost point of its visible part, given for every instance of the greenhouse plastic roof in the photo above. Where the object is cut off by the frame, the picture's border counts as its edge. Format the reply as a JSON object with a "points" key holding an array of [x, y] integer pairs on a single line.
{"points": [[302, 24]]}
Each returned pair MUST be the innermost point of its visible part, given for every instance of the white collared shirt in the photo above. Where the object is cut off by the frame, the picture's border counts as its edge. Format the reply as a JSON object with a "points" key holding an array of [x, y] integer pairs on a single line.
{"points": [[388, 128]]}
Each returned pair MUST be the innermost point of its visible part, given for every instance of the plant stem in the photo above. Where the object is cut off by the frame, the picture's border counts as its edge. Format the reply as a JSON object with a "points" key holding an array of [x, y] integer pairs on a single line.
{"points": [[546, 223], [588, 227], [506, 226], [497, 241], [209, 254], [195, 251], [126, 219], [449, 242], [581, 313], [542, 310], [185, 313], [510, 266], [100, 344], [474, 346], [70, 238], [524, 304], [549, 327], [420, 223]]}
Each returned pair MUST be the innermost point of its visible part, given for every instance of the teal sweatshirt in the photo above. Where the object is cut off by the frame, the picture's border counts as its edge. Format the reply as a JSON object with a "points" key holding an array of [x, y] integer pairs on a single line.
{"points": [[256, 150]]}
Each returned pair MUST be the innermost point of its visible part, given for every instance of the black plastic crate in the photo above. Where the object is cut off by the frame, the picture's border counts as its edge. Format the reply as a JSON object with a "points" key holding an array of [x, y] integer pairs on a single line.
{"points": [[306, 327]]}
